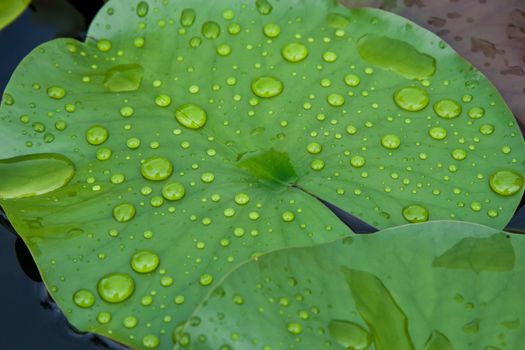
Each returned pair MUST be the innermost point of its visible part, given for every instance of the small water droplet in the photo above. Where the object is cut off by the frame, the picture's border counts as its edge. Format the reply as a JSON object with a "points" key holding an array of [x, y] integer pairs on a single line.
{"points": [[206, 279], [130, 322], [151, 341], [173, 191], [357, 161], [476, 112], [116, 287], [104, 45], [438, 133], [103, 317], [288, 216], [335, 100], [352, 80], [83, 298], [263, 7], [314, 148], [163, 100], [272, 30], [242, 198]]}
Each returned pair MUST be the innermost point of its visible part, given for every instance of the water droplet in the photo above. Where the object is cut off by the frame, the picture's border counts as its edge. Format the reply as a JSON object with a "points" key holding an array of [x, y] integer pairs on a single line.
{"points": [[130, 322], [104, 45], [8, 99], [294, 52], [438, 133], [206, 279], [504, 182], [242, 198], [151, 341], [486, 129], [415, 213], [207, 177], [83, 298], [187, 17], [396, 55], [115, 287], [103, 317], [97, 135], [391, 141], [142, 9], [127, 77], [211, 30], [335, 100], [144, 261], [267, 87], [56, 92], [288, 216], [317, 164], [224, 50], [357, 161], [350, 335], [411, 99], [34, 175], [476, 112], [459, 154], [191, 116], [173, 191], [163, 100], [124, 212], [272, 30], [314, 148], [472, 327], [352, 80], [295, 328], [156, 168], [263, 7], [448, 109]]}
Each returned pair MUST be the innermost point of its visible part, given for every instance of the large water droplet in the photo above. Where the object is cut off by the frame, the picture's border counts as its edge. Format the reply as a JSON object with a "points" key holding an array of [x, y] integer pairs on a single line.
{"points": [[127, 77], [411, 99], [97, 135], [350, 335], [211, 30], [438, 133], [267, 87], [156, 168], [396, 55], [391, 141], [448, 109], [263, 7], [115, 287], [34, 175], [504, 182], [151, 341], [272, 30], [295, 328], [415, 213], [144, 261], [187, 17], [191, 116], [142, 9], [294, 52], [124, 212], [56, 92]]}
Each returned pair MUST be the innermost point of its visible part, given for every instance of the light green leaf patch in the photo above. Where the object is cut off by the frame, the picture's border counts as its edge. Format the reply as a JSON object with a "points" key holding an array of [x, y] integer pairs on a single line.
{"points": [[185, 137], [10, 10], [381, 291]]}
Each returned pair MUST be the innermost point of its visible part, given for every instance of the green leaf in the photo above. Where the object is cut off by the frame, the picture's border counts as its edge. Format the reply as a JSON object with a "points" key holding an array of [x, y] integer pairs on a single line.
{"points": [[10, 10], [381, 291], [184, 138]]}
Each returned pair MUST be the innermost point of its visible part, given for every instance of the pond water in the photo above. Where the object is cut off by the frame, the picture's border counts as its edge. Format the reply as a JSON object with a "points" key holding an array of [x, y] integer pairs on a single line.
{"points": [[30, 317]]}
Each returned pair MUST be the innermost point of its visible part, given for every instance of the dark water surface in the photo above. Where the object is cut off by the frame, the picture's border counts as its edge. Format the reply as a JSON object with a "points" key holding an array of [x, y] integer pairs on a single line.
{"points": [[30, 320]]}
